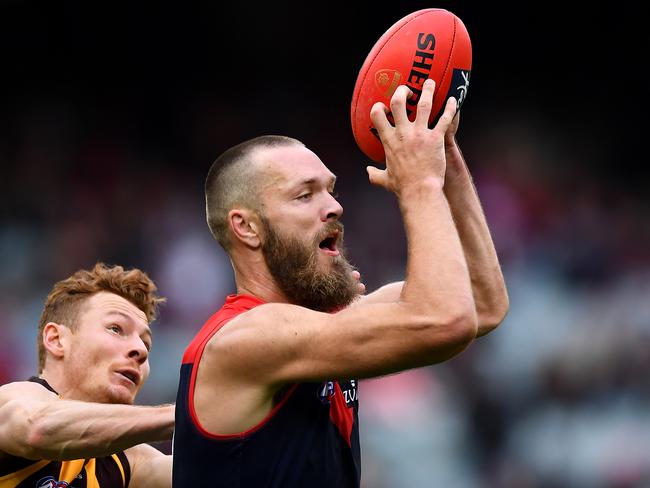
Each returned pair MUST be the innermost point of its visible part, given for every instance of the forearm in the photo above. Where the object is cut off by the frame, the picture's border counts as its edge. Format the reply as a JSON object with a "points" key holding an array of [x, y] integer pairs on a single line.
{"points": [[436, 273], [488, 285], [437, 295], [70, 429]]}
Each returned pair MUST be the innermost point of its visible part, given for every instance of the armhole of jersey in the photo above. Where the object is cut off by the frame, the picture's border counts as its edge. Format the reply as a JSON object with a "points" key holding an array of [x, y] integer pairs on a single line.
{"points": [[246, 433], [125, 468], [190, 399]]}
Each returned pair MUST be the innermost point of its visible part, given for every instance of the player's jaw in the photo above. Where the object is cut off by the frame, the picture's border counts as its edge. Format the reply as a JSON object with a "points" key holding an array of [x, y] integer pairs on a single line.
{"points": [[124, 383], [104, 382], [310, 272], [117, 381]]}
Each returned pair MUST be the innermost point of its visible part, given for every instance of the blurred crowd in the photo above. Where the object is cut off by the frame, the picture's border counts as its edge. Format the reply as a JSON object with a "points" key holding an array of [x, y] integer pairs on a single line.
{"points": [[557, 396]]}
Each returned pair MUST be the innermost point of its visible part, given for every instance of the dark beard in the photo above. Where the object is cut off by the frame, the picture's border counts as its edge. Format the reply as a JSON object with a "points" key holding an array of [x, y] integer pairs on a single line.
{"points": [[294, 267]]}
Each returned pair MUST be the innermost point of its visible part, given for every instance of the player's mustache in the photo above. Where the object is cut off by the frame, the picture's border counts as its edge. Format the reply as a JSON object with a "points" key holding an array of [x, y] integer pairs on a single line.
{"points": [[329, 228]]}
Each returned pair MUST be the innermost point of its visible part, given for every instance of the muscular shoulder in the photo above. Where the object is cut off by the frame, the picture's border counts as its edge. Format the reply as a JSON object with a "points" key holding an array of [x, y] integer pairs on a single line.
{"points": [[24, 390], [268, 317], [272, 325]]}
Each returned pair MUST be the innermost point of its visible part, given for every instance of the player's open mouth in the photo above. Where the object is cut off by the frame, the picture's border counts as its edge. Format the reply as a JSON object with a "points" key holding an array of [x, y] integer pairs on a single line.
{"points": [[130, 374], [328, 245]]}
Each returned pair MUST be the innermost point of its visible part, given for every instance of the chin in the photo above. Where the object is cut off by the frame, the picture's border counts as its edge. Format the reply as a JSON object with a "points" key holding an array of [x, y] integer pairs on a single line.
{"points": [[328, 260], [119, 396]]}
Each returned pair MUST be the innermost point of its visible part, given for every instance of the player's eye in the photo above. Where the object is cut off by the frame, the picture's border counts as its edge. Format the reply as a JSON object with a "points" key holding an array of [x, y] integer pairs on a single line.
{"points": [[304, 196], [116, 329]]}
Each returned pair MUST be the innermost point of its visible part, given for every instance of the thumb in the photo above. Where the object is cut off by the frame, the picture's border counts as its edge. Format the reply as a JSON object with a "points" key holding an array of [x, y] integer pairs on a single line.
{"points": [[377, 176]]}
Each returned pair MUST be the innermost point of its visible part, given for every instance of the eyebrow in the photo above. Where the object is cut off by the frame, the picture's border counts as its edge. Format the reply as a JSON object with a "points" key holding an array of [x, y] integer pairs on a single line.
{"points": [[147, 329], [311, 181]]}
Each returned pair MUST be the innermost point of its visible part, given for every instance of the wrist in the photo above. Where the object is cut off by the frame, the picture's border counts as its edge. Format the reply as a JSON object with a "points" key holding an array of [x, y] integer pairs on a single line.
{"points": [[451, 146], [458, 183], [450, 141], [422, 187], [456, 166]]}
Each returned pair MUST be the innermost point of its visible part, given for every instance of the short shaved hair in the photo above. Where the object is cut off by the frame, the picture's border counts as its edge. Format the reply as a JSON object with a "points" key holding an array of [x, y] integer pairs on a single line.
{"points": [[234, 180]]}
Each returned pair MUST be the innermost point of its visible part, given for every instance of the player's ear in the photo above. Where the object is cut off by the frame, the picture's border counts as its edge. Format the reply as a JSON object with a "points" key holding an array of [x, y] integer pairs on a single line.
{"points": [[55, 339], [246, 227]]}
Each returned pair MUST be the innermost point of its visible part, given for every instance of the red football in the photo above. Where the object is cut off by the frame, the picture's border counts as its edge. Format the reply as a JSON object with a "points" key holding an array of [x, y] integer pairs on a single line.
{"points": [[431, 43]]}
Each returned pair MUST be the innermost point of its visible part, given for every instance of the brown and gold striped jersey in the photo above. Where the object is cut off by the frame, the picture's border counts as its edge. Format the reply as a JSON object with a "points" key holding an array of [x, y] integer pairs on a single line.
{"points": [[106, 472]]}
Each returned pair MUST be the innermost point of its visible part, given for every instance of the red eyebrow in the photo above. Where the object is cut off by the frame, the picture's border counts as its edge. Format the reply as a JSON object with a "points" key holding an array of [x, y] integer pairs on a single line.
{"points": [[147, 329]]}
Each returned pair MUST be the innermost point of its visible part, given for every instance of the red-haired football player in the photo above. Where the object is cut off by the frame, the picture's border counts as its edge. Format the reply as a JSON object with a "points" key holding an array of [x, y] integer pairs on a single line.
{"points": [[74, 424]]}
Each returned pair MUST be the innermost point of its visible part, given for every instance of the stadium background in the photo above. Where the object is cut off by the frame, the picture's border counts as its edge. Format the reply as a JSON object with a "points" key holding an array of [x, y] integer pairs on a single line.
{"points": [[110, 115]]}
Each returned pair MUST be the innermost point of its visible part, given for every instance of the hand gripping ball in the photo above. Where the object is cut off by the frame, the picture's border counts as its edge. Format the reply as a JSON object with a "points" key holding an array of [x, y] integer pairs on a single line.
{"points": [[430, 43]]}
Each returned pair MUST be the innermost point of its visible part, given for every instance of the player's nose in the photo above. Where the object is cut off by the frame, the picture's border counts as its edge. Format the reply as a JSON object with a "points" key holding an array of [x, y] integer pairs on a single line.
{"points": [[138, 350], [332, 210]]}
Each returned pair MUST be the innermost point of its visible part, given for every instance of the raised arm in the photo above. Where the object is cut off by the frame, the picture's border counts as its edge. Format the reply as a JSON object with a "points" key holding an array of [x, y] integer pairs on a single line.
{"points": [[37, 424], [488, 285], [434, 317]]}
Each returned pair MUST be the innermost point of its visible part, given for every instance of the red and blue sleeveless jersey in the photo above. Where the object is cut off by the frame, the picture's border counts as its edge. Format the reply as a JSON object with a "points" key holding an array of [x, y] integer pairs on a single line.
{"points": [[309, 439]]}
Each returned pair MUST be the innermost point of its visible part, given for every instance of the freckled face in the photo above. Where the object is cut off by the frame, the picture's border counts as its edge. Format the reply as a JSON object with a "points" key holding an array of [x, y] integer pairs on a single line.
{"points": [[107, 359]]}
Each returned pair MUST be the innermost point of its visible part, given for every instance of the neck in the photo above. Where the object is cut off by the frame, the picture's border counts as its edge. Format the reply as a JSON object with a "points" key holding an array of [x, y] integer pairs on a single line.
{"points": [[57, 381], [253, 278]]}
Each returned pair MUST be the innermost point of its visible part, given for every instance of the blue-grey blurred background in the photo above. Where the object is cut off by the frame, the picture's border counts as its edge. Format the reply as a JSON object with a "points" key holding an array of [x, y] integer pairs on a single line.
{"points": [[111, 114]]}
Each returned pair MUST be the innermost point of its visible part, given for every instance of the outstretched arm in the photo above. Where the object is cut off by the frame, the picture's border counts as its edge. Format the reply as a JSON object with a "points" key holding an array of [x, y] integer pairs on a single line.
{"points": [[37, 424], [488, 285]]}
